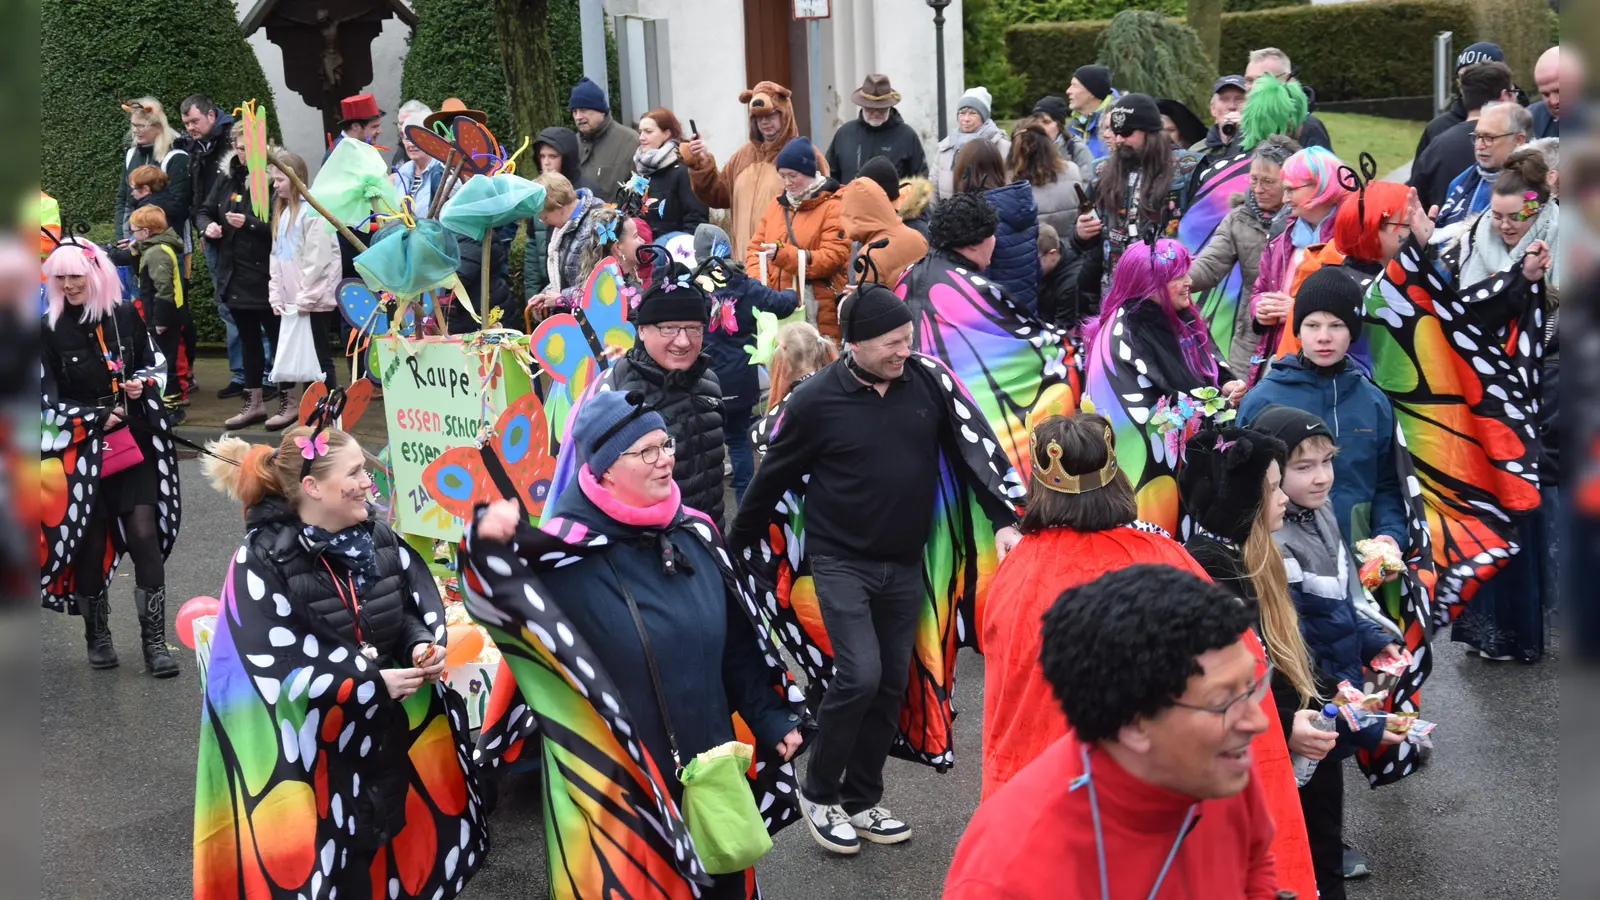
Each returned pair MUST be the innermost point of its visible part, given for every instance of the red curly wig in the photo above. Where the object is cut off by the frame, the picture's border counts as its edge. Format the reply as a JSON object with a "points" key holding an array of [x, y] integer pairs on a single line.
{"points": [[1362, 214]]}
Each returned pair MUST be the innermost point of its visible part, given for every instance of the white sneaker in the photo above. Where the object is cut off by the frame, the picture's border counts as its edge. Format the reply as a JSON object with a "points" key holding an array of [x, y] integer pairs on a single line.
{"points": [[878, 826], [830, 827]]}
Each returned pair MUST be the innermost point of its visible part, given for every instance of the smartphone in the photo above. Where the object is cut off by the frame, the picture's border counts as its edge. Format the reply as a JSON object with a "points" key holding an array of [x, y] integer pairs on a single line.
{"points": [[1085, 205], [694, 130]]}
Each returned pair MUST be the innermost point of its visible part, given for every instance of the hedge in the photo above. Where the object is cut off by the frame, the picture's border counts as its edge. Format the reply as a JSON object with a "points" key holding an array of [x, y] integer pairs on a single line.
{"points": [[94, 54], [1333, 47], [455, 52], [1347, 51], [1157, 55], [984, 61], [1019, 11]]}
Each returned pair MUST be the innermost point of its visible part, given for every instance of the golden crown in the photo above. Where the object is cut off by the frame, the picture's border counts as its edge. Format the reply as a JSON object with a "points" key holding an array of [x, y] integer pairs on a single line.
{"points": [[1055, 478]]}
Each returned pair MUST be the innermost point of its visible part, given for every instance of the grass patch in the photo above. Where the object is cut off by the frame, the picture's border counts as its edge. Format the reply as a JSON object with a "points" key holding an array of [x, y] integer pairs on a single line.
{"points": [[1390, 141]]}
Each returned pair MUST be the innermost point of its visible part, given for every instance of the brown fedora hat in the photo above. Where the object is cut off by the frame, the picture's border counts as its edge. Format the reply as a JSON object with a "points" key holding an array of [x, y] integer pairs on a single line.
{"points": [[450, 109], [875, 93]]}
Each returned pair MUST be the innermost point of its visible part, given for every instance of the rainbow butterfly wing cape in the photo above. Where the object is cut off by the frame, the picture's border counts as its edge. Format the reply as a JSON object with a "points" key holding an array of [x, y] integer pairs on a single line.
{"points": [[612, 830], [957, 566], [1210, 199], [291, 710]]}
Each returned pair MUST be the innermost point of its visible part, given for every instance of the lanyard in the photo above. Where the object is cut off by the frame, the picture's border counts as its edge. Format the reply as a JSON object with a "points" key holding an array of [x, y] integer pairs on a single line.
{"points": [[1100, 841], [113, 365], [353, 604]]}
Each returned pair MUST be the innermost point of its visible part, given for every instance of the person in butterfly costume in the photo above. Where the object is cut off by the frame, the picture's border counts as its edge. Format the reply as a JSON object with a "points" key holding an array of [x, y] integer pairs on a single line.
{"points": [[632, 647], [331, 758], [109, 476], [865, 452]]}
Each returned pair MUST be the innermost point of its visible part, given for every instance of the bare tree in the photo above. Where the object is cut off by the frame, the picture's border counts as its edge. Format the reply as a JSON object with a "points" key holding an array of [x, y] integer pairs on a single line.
{"points": [[530, 71]]}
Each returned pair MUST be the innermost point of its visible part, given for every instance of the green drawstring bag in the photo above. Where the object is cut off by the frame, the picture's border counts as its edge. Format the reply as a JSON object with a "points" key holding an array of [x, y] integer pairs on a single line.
{"points": [[720, 811], [718, 807]]}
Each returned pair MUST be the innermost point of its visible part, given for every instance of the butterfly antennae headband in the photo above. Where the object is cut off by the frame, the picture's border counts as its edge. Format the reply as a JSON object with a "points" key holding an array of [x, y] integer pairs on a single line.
{"points": [[323, 416], [1357, 184]]}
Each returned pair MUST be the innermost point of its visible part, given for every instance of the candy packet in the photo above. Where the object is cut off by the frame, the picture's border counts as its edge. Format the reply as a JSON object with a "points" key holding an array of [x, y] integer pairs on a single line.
{"points": [[1379, 560], [1389, 665]]}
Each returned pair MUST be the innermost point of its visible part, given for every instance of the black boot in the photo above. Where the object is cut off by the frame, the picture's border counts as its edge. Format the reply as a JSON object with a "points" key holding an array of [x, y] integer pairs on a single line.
{"points": [[152, 604], [96, 611]]}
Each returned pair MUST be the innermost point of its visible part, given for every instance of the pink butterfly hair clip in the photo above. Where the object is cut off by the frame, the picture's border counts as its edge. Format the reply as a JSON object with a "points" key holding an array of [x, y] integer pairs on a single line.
{"points": [[314, 446]]}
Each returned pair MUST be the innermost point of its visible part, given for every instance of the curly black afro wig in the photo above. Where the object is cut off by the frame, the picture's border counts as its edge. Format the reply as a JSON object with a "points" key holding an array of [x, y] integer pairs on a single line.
{"points": [[961, 221], [1124, 645]]}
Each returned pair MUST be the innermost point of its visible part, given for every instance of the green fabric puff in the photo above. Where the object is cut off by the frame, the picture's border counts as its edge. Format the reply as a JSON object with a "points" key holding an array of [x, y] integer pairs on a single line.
{"points": [[351, 179], [408, 261], [489, 201]]}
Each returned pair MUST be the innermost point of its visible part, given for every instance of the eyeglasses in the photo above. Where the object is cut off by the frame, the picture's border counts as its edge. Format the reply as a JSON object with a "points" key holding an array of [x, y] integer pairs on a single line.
{"points": [[671, 331], [1481, 138], [1299, 187], [652, 454], [1254, 694], [1515, 218], [140, 126], [1399, 227]]}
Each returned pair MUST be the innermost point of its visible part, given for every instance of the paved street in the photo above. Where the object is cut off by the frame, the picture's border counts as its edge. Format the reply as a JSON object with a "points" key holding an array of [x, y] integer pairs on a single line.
{"points": [[119, 750]]}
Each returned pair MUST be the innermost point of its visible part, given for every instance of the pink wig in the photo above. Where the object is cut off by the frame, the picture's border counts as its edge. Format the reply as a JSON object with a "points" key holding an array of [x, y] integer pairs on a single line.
{"points": [[103, 287], [1318, 166], [1144, 272]]}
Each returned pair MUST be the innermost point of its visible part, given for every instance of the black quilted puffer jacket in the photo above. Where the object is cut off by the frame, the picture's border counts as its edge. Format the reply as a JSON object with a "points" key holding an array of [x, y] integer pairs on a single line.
{"points": [[691, 402], [388, 621]]}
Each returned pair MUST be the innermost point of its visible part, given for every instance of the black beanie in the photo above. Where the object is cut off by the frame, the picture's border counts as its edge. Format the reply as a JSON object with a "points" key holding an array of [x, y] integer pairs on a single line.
{"points": [[1135, 112], [1095, 79], [872, 310], [673, 297], [1054, 107], [1290, 426], [1222, 477], [962, 220], [1330, 289], [881, 170]]}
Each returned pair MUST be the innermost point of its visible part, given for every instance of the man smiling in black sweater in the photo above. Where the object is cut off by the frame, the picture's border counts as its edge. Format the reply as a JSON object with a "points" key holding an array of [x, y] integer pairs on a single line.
{"points": [[869, 431]]}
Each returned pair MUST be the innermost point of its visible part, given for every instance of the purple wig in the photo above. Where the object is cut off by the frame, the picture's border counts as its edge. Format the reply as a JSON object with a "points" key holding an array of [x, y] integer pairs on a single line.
{"points": [[1144, 272], [102, 287]]}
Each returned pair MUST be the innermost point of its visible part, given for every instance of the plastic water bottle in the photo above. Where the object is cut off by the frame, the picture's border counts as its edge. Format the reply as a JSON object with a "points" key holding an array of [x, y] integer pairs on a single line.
{"points": [[1305, 766]]}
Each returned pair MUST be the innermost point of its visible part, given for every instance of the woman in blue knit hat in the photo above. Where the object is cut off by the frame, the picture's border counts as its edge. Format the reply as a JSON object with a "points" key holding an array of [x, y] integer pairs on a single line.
{"points": [[802, 237], [633, 595]]}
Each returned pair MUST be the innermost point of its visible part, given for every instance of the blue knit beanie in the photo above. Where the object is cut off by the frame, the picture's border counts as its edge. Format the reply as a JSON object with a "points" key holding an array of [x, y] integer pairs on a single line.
{"points": [[588, 95], [798, 155], [607, 425]]}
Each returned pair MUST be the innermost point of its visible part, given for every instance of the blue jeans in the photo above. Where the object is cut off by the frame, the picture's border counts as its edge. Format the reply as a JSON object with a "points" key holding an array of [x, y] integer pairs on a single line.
{"points": [[736, 434]]}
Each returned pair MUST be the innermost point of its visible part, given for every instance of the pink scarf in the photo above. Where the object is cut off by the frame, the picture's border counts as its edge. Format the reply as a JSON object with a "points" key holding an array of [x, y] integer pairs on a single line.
{"points": [[659, 515]]}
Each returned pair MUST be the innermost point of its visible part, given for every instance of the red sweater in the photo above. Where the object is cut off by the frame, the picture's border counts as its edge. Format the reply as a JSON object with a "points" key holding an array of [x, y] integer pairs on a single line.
{"points": [[1034, 839], [1020, 714]]}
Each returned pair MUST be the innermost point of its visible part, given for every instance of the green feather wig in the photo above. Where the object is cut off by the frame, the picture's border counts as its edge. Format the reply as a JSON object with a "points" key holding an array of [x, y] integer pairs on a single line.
{"points": [[1273, 107]]}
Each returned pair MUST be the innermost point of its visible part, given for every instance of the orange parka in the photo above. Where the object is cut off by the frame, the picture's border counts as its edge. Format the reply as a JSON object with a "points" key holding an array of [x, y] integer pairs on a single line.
{"points": [[811, 226]]}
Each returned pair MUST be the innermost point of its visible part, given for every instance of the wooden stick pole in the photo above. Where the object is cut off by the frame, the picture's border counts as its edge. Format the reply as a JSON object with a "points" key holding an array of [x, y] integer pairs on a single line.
{"points": [[452, 168], [300, 188], [483, 295]]}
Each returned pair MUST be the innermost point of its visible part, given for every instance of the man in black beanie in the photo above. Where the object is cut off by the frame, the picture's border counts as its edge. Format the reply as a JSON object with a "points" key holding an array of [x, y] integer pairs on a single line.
{"points": [[1089, 94], [1143, 164], [668, 367], [863, 439], [1366, 494]]}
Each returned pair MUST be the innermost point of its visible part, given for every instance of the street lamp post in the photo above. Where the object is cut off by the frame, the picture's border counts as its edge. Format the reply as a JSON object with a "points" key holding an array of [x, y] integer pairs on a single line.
{"points": [[938, 56]]}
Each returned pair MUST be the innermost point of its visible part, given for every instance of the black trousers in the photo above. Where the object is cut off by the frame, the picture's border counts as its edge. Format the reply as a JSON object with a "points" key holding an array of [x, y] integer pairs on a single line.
{"points": [[1322, 802], [324, 328], [168, 342], [252, 325], [870, 610]]}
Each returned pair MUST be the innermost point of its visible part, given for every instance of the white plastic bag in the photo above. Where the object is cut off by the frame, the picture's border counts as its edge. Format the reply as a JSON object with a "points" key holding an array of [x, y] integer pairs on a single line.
{"points": [[296, 362]]}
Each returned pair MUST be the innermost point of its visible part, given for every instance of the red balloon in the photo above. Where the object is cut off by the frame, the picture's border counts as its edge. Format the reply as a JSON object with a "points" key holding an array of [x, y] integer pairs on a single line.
{"points": [[188, 612]]}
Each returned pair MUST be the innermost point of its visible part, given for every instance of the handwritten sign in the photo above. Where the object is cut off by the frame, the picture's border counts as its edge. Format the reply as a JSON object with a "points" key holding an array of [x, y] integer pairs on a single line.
{"points": [[434, 399]]}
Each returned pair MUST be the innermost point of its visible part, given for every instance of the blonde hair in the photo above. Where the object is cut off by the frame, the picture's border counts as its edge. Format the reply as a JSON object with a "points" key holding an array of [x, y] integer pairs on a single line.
{"points": [[595, 250], [800, 351], [249, 472], [1280, 622], [558, 191], [150, 109], [289, 201]]}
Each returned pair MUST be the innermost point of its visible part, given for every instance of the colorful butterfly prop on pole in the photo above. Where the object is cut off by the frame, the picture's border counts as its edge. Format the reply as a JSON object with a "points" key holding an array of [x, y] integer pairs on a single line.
{"points": [[466, 148], [350, 405], [574, 347], [254, 120], [373, 314], [511, 461]]}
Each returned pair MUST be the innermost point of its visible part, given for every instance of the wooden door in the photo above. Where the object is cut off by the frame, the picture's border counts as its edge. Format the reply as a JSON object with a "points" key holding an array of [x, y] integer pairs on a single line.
{"points": [[766, 41]]}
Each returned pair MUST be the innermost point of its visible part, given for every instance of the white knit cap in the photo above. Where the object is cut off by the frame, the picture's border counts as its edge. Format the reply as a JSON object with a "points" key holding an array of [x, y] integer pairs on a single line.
{"points": [[977, 98]]}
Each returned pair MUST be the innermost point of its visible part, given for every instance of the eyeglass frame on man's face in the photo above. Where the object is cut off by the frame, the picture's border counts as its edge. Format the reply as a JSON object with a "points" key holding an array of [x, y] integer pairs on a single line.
{"points": [[1489, 139], [1255, 694], [652, 454], [671, 332]]}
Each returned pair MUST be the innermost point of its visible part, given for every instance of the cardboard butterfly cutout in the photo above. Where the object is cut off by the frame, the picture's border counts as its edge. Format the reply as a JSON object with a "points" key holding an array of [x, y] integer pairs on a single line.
{"points": [[373, 313], [575, 347], [513, 463], [471, 145], [350, 409]]}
